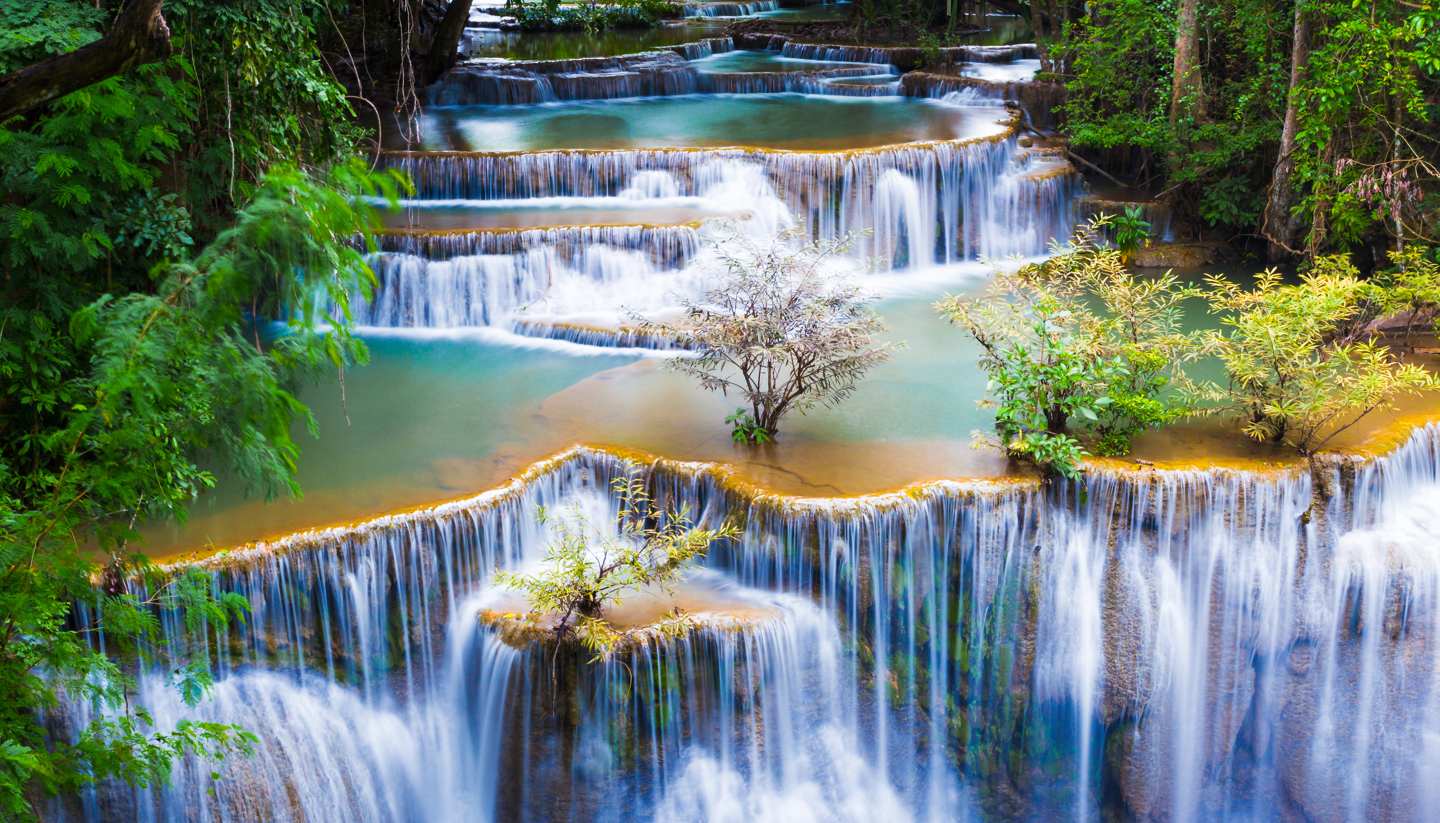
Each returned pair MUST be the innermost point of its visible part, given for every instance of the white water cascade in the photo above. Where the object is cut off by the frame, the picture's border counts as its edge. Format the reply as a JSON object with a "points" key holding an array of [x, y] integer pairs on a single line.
{"points": [[1190, 645]]}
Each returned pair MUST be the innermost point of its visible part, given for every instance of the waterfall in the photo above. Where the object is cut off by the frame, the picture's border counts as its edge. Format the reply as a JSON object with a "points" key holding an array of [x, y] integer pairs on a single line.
{"points": [[623, 337], [987, 207], [326, 747], [669, 246], [1178, 644], [742, 9], [651, 74], [907, 207], [704, 48], [836, 54], [743, 722], [1037, 100], [571, 283], [904, 229]]}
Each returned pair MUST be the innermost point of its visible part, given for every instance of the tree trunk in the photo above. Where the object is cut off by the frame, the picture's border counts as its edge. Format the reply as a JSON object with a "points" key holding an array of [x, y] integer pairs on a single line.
{"points": [[446, 44], [1318, 223], [138, 36], [1280, 227], [1056, 420], [1187, 90]]}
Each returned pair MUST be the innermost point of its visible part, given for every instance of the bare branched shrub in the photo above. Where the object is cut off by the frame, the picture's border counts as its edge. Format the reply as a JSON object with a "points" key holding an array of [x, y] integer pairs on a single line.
{"points": [[778, 331]]}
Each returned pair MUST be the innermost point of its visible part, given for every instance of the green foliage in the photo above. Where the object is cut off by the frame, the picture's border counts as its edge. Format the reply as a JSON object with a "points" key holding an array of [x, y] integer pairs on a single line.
{"points": [[778, 331], [1129, 231], [744, 430], [269, 97], [1119, 65], [1217, 157], [1076, 347], [1365, 147], [551, 15], [31, 30], [1301, 365], [151, 224], [112, 411], [1365, 155], [1408, 290], [584, 574]]}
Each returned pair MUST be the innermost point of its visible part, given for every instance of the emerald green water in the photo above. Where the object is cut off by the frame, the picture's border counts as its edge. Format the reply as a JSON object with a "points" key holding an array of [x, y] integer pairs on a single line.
{"points": [[441, 415], [422, 421], [783, 121]]}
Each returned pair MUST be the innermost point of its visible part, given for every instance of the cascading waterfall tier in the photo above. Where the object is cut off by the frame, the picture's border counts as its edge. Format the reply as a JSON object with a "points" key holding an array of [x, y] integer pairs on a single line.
{"points": [[669, 246], [704, 48], [921, 203], [723, 9], [620, 337], [1201, 644], [647, 74], [741, 716], [1037, 100], [469, 279], [906, 58], [489, 289]]}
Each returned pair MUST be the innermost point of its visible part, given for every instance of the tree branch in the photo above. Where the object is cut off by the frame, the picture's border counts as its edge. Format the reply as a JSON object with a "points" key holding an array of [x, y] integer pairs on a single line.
{"points": [[139, 35]]}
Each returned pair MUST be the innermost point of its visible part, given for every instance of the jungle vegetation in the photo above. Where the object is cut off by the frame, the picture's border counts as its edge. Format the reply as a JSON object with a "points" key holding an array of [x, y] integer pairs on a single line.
{"points": [[171, 173]]}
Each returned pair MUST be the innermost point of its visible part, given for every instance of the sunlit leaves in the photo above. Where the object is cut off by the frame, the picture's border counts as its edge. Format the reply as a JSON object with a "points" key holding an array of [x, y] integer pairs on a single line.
{"points": [[1301, 365], [584, 573], [1076, 348]]}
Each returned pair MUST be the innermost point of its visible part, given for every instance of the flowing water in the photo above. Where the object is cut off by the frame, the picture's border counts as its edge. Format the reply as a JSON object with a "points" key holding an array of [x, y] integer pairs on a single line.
{"points": [[1204, 644], [1185, 645]]}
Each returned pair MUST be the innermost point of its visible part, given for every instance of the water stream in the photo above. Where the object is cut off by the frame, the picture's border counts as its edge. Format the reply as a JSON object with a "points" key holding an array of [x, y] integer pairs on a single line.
{"points": [[1181, 645]]}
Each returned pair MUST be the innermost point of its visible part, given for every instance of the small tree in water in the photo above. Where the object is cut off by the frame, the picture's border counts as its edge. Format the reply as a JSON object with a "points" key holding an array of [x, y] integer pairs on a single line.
{"points": [[778, 333], [1079, 351], [583, 576], [1303, 362]]}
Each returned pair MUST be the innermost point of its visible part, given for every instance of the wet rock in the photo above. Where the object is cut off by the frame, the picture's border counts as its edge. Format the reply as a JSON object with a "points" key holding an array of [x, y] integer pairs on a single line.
{"points": [[1179, 255]]}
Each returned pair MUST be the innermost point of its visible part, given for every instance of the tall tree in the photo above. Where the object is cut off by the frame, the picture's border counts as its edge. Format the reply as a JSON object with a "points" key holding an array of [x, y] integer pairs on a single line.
{"points": [[138, 36], [1187, 90], [1280, 225]]}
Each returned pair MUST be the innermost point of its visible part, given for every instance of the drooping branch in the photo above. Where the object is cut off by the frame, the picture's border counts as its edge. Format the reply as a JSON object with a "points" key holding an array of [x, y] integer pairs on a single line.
{"points": [[139, 35]]}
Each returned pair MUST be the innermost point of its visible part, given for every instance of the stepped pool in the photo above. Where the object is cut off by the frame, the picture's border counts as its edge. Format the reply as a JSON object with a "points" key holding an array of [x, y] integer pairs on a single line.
{"points": [[905, 628], [774, 121], [565, 45], [742, 60]]}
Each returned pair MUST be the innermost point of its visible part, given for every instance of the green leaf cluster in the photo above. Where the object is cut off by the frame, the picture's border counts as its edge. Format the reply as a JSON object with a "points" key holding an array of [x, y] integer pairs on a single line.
{"points": [[151, 226], [1078, 350], [1302, 361], [584, 574]]}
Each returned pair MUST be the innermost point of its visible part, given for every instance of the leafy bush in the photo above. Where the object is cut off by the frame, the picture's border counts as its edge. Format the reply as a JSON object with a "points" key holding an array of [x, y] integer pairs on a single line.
{"points": [[1408, 290], [1078, 351], [1302, 365], [777, 332], [1129, 231], [582, 578], [744, 430], [551, 15]]}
